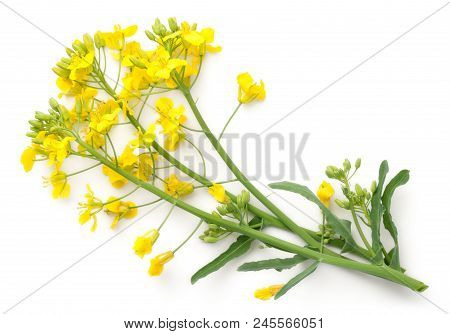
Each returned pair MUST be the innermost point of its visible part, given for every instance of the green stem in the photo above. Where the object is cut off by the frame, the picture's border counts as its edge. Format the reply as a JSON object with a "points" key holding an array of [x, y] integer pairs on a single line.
{"points": [[242, 178], [189, 236], [229, 120], [380, 271]]}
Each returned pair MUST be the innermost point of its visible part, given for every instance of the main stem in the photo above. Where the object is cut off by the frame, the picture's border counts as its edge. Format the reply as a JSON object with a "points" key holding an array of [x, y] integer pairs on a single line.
{"points": [[380, 271], [242, 178]]}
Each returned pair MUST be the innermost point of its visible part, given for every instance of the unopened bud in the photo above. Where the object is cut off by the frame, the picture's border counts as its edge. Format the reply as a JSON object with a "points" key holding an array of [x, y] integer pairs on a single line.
{"points": [[137, 62], [42, 117], [373, 186], [222, 209], [173, 24], [99, 40], [150, 35], [210, 239], [36, 124], [61, 72], [31, 134], [358, 163], [53, 103], [343, 204], [359, 190], [347, 165]]}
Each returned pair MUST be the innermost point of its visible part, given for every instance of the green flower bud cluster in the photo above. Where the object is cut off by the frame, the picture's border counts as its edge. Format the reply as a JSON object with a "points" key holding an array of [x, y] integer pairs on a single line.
{"points": [[327, 233], [213, 233], [50, 123], [341, 174]]}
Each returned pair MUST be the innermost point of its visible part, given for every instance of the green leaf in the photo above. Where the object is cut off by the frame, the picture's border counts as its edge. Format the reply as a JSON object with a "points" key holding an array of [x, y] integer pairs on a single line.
{"points": [[376, 213], [340, 226], [398, 180], [297, 279], [236, 249], [277, 264]]}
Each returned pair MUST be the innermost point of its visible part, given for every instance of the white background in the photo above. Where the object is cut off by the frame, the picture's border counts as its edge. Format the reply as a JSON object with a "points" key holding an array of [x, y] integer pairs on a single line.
{"points": [[395, 107]]}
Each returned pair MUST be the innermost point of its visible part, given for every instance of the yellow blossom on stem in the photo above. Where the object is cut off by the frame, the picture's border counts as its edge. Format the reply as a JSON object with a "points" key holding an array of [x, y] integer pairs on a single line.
{"points": [[249, 90], [144, 243], [57, 149], [58, 180], [90, 209], [121, 209], [115, 39], [28, 156], [176, 188], [162, 65], [218, 192], [325, 192], [158, 262], [267, 292]]}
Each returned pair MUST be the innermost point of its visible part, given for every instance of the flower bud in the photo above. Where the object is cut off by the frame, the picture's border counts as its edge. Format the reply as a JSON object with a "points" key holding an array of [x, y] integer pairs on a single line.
{"points": [[347, 165], [358, 163], [53, 103], [331, 172], [138, 63], [61, 72], [37, 141], [31, 134], [210, 240], [222, 209], [150, 35], [36, 124], [242, 199], [173, 24], [42, 117], [373, 187], [359, 190], [343, 204], [99, 40]]}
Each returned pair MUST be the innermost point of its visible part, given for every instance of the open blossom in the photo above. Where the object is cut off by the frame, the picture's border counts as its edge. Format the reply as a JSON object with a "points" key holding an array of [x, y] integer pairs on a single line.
{"points": [[249, 90], [121, 209], [176, 188], [58, 180], [90, 208], [57, 149], [218, 192], [116, 38]]}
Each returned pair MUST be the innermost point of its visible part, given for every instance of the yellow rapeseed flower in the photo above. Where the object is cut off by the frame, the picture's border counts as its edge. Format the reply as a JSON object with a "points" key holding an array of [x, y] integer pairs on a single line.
{"points": [[325, 192], [158, 262], [58, 180], [144, 243], [267, 292], [218, 192], [56, 148], [115, 40], [121, 209], [176, 188], [90, 209], [249, 90]]}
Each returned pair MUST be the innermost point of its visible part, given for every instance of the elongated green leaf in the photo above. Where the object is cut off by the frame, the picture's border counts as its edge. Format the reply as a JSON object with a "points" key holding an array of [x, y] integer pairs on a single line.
{"points": [[377, 212], [340, 226], [297, 279], [398, 180], [236, 249], [277, 264]]}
